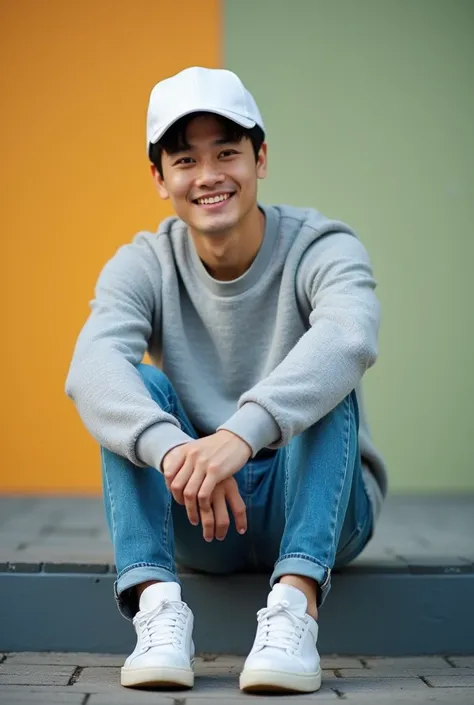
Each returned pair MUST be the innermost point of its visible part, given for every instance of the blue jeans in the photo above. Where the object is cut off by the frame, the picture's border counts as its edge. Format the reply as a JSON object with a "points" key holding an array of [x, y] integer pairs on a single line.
{"points": [[307, 508]]}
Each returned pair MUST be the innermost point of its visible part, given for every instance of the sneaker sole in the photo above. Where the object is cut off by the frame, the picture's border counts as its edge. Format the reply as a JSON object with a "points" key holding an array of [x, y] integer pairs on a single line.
{"points": [[157, 677], [280, 681]]}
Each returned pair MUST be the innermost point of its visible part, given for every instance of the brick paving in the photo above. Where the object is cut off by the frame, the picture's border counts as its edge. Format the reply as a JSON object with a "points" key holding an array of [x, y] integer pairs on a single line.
{"points": [[50, 534], [93, 679]]}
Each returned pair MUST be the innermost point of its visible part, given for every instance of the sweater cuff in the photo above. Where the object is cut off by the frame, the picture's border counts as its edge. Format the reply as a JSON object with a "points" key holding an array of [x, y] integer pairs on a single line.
{"points": [[155, 441], [255, 425]]}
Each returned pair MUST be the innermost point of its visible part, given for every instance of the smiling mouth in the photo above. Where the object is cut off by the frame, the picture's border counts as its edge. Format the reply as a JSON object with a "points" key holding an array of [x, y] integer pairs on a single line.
{"points": [[213, 201]]}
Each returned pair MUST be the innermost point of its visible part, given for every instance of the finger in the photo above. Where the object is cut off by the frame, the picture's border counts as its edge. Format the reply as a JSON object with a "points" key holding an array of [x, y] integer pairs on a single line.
{"points": [[208, 524], [221, 515], [237, 507], [210, 482], [181, 480], [190, 494]]}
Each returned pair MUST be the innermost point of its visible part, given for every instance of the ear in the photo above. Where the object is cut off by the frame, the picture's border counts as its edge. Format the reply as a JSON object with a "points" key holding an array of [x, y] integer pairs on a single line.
{"points": [[262, 162], [159, 183]]}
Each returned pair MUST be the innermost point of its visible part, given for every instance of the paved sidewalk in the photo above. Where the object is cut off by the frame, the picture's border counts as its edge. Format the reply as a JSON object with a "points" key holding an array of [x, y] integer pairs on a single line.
{"points": [[93, 679], [40, 533]]}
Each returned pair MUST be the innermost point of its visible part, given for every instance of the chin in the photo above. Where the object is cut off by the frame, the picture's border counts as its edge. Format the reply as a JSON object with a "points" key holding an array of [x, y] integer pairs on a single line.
{"points": [[215, 225]]}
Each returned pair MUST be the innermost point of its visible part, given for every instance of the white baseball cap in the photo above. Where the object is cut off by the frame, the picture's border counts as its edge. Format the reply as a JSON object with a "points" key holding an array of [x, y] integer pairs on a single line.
{"points": [[198, 89]]}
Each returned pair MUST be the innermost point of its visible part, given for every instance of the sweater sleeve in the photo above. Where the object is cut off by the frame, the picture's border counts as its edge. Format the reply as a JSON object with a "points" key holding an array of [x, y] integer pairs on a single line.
{"points": [[334, 281], [103, 381]]}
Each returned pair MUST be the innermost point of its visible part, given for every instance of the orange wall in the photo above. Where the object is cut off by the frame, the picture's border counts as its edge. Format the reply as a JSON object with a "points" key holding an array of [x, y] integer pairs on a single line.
{"points": [[75, 185]]}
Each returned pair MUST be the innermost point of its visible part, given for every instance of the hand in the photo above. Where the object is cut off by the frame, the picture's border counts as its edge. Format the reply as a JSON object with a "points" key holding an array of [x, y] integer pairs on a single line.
{"points": [[193, 470]]}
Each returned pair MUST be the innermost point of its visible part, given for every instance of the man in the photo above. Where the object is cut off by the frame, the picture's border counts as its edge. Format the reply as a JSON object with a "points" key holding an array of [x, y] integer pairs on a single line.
{"points": [[260, 322]]}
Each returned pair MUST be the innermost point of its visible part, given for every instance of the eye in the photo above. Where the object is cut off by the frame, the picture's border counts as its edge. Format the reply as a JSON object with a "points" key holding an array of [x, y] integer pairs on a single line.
{"points": [[228, 152], [183, 161]]}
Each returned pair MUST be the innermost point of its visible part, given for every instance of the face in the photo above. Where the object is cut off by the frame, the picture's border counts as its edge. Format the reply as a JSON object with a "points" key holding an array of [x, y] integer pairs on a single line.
{"points": [[212, 185]]}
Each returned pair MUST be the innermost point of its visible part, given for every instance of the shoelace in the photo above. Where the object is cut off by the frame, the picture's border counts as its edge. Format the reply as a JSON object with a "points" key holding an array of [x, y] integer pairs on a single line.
{"points": [[161, 626], [278, 627]]}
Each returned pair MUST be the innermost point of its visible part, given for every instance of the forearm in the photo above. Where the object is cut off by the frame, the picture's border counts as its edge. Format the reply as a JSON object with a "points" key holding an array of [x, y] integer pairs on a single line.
{"points": [[314, 377]]}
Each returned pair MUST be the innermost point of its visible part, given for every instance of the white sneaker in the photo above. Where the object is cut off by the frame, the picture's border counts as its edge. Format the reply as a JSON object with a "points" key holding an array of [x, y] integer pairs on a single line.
{"points": [[284, 656], [164, 654]]}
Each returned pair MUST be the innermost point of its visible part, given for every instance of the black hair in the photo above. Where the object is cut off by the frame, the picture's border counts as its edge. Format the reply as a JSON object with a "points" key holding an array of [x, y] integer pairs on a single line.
{"points": [[174, 139]]}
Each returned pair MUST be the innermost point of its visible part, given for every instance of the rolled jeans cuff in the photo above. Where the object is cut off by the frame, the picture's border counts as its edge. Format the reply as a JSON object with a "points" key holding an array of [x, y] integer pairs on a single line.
{"points": [[300, 564], [125, 597]]}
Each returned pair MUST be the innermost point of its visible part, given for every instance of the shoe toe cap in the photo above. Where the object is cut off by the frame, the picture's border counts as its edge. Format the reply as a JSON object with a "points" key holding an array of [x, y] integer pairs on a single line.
{"points": [[266, 660], [154, 658], [278, 660]]}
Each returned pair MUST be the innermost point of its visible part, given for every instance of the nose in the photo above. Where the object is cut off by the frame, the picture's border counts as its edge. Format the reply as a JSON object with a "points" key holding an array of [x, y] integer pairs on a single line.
{"points": [[209, 175]]}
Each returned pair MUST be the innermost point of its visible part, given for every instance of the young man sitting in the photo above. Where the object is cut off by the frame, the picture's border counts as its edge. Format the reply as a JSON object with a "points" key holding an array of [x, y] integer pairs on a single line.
{"points": [[245, 444]]}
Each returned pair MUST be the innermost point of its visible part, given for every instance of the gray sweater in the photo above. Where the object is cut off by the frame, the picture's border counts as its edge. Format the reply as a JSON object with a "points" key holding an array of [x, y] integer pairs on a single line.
{"points": [[265, 355]]}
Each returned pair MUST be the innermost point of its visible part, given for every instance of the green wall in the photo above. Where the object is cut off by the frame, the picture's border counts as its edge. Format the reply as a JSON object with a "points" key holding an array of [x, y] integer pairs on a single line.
{"points": [[369, 108]]}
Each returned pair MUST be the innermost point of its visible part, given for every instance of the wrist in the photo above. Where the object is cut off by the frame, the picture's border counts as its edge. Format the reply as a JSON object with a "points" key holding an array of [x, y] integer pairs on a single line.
{"points": [[156, 441], [255, 425], [236, 436]]}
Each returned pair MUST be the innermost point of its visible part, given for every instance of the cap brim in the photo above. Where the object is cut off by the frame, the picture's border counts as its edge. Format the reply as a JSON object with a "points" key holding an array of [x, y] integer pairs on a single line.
{"points": [[235, 117]]}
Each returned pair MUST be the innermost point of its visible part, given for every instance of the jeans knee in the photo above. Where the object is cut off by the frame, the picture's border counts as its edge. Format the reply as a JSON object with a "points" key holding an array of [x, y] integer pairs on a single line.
{"points": [[154, 378], [158, 384]]}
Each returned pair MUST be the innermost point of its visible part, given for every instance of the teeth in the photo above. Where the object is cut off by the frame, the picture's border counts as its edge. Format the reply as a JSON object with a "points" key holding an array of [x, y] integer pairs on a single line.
{"points": [[215, 199]]}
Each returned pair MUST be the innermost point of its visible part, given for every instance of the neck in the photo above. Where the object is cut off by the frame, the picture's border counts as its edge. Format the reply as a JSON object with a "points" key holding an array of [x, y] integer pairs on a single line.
{"points": [[228, 255]]}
